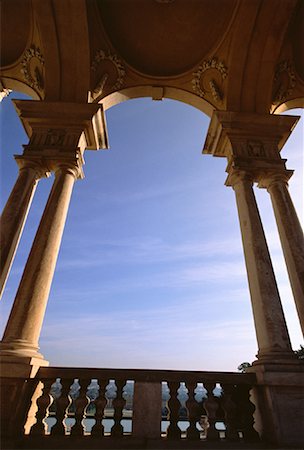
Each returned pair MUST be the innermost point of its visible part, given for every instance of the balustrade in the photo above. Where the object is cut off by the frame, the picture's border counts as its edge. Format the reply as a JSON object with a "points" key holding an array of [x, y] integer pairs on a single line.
{"points": [[98, 403]]}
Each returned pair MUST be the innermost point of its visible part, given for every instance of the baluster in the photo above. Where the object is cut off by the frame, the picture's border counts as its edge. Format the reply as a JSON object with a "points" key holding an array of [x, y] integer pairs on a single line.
{"points": [[230, 409], [43, 403], [246, 409], [80, 404], [194, 412], [211, 406], [118, 404], [62, 404], [100, 404], [173, 431]]}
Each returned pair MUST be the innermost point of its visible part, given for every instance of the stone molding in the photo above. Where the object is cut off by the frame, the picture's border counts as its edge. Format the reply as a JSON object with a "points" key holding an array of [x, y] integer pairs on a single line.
{"points": [[38, 165], [59, 127], [247, 134], [251, 142]]}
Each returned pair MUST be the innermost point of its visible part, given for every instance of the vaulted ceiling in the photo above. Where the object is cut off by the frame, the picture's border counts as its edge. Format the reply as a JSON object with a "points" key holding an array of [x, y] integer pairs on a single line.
{"points": [[237, 55]]}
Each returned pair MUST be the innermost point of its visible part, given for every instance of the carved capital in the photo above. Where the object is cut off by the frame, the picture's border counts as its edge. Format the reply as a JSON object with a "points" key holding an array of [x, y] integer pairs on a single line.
{"points": [[270, 178], [36, 164], [256, 137], [61, 127], [238, 176], [72, 164]]}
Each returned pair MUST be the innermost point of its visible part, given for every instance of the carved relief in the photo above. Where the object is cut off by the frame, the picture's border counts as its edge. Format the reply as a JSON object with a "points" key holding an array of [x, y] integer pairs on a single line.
{"points": [[107, 68], [255, 148], [209, 78], [284, 82], [55, 138], [32, 68]]}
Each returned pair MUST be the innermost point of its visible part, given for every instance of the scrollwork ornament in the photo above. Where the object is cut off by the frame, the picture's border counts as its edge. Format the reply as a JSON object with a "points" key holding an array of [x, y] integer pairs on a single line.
{"points": [[32, 67], [208, 78], [284, 81], [101, 57]]}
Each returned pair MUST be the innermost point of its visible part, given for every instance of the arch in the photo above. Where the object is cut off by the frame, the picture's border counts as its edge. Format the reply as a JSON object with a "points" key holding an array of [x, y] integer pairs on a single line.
{"points": [[157, 93], [289, 104], [19, 86]]}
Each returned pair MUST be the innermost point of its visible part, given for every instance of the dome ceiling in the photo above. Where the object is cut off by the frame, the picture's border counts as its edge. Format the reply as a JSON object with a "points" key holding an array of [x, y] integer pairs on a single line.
{"points": [[165, 38]]}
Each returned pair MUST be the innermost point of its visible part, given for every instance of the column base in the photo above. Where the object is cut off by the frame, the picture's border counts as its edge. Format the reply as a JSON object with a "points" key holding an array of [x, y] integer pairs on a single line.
{"points": [[20, 348], [20, 366], [279, 398], [276, 359]]}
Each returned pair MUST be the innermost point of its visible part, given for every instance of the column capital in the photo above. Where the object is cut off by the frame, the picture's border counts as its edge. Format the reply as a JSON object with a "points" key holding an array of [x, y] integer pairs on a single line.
{"points": [[37, 164], [69, 165], [270, 178], [56, 128], [238, 175], [249, 135]]}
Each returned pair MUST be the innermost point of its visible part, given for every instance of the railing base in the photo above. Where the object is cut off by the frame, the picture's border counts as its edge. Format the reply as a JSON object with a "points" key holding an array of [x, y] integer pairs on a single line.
{"points": [[279, 399], [128, 443]]}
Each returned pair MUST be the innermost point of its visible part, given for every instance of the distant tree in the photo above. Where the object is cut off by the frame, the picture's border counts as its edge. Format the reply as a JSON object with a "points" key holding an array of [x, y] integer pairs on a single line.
{"points": [[242, 367], [300, 353]]}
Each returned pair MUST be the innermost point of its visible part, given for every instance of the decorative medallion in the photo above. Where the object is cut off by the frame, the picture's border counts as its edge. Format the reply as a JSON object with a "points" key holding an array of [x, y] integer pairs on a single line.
{"points": [[32, 70], [107, 68], [209, 78], [284, 81]]}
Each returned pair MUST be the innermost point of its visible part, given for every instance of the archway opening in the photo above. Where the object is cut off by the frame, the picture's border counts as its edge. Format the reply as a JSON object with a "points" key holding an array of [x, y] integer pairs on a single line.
{"points": [[151, 271]]}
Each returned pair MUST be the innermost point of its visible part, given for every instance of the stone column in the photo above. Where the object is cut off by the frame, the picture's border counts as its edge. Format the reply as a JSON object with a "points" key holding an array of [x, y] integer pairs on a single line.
{"points": [[23, 328], [291, 235], [15, 212], [271, 330]]}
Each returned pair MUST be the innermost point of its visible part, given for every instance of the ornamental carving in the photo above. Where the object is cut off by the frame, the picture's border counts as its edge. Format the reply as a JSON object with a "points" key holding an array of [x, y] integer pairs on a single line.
{"points": [[284, 82], [208, 80], [55, 138], [32, 68], [107, 68], [255, 148]]}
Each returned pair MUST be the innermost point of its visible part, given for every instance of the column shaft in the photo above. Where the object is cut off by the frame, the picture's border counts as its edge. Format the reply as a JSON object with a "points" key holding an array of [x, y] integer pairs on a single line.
{"points": [[14, 216], [270, 325], [292, 240], [23, 328]]}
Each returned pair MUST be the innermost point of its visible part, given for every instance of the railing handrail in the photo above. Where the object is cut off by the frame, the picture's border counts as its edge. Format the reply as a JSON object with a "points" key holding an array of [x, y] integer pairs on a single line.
{"points": [[147, 375]]}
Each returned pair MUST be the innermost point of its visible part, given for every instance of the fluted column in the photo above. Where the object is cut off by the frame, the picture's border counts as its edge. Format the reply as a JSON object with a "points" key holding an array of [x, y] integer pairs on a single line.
{"points": [[15, 212], [271, 330], [291, 235], [23, 327]]}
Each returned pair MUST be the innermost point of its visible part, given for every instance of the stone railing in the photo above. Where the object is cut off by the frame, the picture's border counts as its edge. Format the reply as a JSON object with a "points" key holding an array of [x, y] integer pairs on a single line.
{"points": [[138, 406]]}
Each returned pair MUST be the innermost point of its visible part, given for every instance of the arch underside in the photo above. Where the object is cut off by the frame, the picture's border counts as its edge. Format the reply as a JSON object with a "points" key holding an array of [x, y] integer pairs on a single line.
{"points": [[224, 55]]}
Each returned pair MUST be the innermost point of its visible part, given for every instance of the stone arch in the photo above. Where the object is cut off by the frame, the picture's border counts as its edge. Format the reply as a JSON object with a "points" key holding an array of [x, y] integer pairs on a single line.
{"points": [[289, 104], [157, 93]]}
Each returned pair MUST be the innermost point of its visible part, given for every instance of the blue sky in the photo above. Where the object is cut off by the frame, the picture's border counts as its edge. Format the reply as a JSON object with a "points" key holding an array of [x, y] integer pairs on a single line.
{"points": [[151, 271]]}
